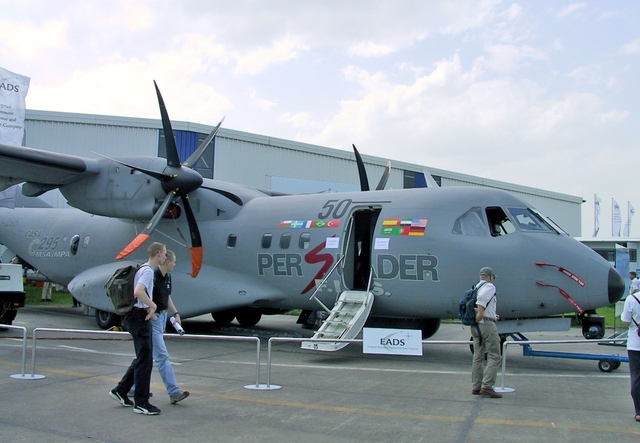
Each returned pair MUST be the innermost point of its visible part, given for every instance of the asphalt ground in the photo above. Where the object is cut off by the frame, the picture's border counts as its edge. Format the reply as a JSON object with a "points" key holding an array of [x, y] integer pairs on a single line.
{"points": [[345, 396]]}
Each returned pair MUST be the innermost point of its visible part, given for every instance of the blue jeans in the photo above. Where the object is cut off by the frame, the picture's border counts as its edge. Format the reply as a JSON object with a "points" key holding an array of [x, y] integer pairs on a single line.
{"points": [[161, 355]]}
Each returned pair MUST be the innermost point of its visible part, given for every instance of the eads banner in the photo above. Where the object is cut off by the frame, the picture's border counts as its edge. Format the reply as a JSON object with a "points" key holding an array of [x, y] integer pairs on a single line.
{"points": [[13, 92]]}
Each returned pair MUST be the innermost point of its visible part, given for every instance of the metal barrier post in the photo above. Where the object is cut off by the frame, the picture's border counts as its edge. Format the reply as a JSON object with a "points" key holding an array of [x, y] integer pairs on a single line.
{"points": [[502, 388], [181, 337], [22, 375], [271, 387]]}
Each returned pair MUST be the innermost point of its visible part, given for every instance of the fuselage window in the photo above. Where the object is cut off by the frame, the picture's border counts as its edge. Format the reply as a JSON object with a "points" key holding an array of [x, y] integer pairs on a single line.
{"points": [[285, 240], [231, 241], [499, 223], [86, 241], [528, 221], [471, 223], [305, 240], [266, 241], [75, 242]]}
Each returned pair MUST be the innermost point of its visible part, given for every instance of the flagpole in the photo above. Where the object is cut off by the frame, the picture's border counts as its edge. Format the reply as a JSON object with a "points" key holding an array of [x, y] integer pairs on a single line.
{"points": [[595, 196], [628, 218]]}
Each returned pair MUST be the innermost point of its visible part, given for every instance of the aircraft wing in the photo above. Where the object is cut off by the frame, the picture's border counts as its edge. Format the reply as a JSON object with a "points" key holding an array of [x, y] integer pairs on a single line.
{"points": [[42, 169]]}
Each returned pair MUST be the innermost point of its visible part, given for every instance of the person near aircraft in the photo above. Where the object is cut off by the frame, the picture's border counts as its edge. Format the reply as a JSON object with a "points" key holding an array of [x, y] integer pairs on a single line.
{"points": [[485, 338], [162, 298], [46, 291], [138, 325], [631, 318], [634, 286]]}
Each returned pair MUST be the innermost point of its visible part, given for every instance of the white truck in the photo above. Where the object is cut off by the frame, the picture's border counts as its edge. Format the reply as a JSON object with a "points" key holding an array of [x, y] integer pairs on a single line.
{"points": [[12, 295]]}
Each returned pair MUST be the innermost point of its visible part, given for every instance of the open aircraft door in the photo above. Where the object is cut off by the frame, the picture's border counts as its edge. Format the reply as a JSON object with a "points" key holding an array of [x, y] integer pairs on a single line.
{"points": [[349, 314], [358, 247]]}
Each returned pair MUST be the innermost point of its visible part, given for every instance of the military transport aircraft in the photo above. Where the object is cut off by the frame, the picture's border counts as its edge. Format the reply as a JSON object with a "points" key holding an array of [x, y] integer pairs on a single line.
{"points": [[408, 255]]}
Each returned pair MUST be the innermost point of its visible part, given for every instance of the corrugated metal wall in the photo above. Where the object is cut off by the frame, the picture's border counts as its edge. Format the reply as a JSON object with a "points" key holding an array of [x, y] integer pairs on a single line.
{"points": [[253, 162], [252, 159]]}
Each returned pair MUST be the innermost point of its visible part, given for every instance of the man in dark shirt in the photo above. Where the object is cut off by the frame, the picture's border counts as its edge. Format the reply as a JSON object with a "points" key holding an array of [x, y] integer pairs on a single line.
{"points": [[162, 298]]}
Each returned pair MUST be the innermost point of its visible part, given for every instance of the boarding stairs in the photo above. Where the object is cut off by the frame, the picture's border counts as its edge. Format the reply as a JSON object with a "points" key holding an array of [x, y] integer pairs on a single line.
{"points": [[345, 320]]}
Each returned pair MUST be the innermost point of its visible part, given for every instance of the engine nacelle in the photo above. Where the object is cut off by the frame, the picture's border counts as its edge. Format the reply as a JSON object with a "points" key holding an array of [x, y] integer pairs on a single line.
{"points": [[118, 191]]}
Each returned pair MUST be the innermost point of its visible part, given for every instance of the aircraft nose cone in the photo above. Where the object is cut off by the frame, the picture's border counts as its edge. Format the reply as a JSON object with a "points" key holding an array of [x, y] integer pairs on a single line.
{"points": [[616, 286]]}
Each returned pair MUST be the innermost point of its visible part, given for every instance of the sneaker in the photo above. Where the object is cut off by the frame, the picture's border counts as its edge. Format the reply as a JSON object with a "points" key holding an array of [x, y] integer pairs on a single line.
{"points": [[146, 409], [178, 396], [123, 399]]}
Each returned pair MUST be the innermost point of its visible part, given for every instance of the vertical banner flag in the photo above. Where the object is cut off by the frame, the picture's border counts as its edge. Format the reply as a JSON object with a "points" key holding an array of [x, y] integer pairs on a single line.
{"points": [[13, 92], [596, 215], [616, 219], [627, 226]]}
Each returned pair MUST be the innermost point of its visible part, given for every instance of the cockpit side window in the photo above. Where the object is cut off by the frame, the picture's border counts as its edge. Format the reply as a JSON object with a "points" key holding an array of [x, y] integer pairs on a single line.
{"points": [[499, 223], [529, 221], [553, 225], [471, 223]]}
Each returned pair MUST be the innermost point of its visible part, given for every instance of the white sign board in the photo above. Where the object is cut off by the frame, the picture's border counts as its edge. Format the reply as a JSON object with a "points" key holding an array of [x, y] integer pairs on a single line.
{"points": [[381, 243], [392, 341], [332, 243], [13, 91]]}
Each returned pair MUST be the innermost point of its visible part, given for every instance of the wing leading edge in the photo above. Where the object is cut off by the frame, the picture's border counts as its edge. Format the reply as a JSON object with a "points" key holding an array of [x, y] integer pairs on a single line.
{"points": [[41, 170]]}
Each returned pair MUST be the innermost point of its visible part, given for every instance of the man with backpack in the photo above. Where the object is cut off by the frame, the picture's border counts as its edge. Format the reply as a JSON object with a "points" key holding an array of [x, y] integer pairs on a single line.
{"points": [[485, 338], [138, 325], [631, 317]]}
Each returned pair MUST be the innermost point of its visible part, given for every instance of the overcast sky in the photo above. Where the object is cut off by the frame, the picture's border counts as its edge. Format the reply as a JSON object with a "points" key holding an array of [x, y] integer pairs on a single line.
{"points": [[537, 93]]}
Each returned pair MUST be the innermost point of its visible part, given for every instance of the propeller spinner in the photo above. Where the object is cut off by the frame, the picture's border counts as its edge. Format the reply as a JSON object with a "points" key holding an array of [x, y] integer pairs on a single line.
{"points": [[177, 180]]}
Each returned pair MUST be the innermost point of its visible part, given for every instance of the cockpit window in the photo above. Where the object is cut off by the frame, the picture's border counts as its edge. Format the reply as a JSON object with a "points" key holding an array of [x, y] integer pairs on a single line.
{"points": [[550, 222], [471, 223], [499, 223], [529, 221]]}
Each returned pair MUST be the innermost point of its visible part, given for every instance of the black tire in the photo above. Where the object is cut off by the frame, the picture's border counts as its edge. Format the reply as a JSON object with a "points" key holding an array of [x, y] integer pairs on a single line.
{"points": [[8, 317], [606, 365], [248, 317], [107, 320], [616, 364], [224, 318]]}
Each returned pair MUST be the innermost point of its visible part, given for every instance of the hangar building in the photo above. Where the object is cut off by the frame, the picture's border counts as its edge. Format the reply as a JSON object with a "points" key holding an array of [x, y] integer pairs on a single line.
{"points": [[259, 161]]}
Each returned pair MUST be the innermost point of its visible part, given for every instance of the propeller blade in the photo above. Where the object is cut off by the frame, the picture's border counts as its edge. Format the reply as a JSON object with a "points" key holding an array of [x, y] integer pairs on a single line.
{"points": [[173, 159], [195, 157], [385, 176], [146, 233], [196, 261], [196, 240], [364, 181]]}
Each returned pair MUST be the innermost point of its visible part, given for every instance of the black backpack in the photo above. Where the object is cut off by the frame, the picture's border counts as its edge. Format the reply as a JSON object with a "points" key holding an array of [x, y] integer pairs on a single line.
{"points": [[466, 309], [120, 289]]}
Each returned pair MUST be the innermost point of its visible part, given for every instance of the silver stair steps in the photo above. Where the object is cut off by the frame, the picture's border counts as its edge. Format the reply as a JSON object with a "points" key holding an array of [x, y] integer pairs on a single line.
{"points": [[345, 321]]}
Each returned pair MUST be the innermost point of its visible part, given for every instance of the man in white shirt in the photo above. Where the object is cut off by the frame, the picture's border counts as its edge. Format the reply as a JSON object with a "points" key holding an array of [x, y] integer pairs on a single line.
{"points": [[631, 317], [485, 338], [138, 325]]}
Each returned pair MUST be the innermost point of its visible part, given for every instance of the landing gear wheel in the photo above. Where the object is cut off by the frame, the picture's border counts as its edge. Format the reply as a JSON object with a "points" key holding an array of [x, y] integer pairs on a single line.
{"points": [[8, 317], [606, 365], [224, 318], [106, 320], [248, 317]]}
